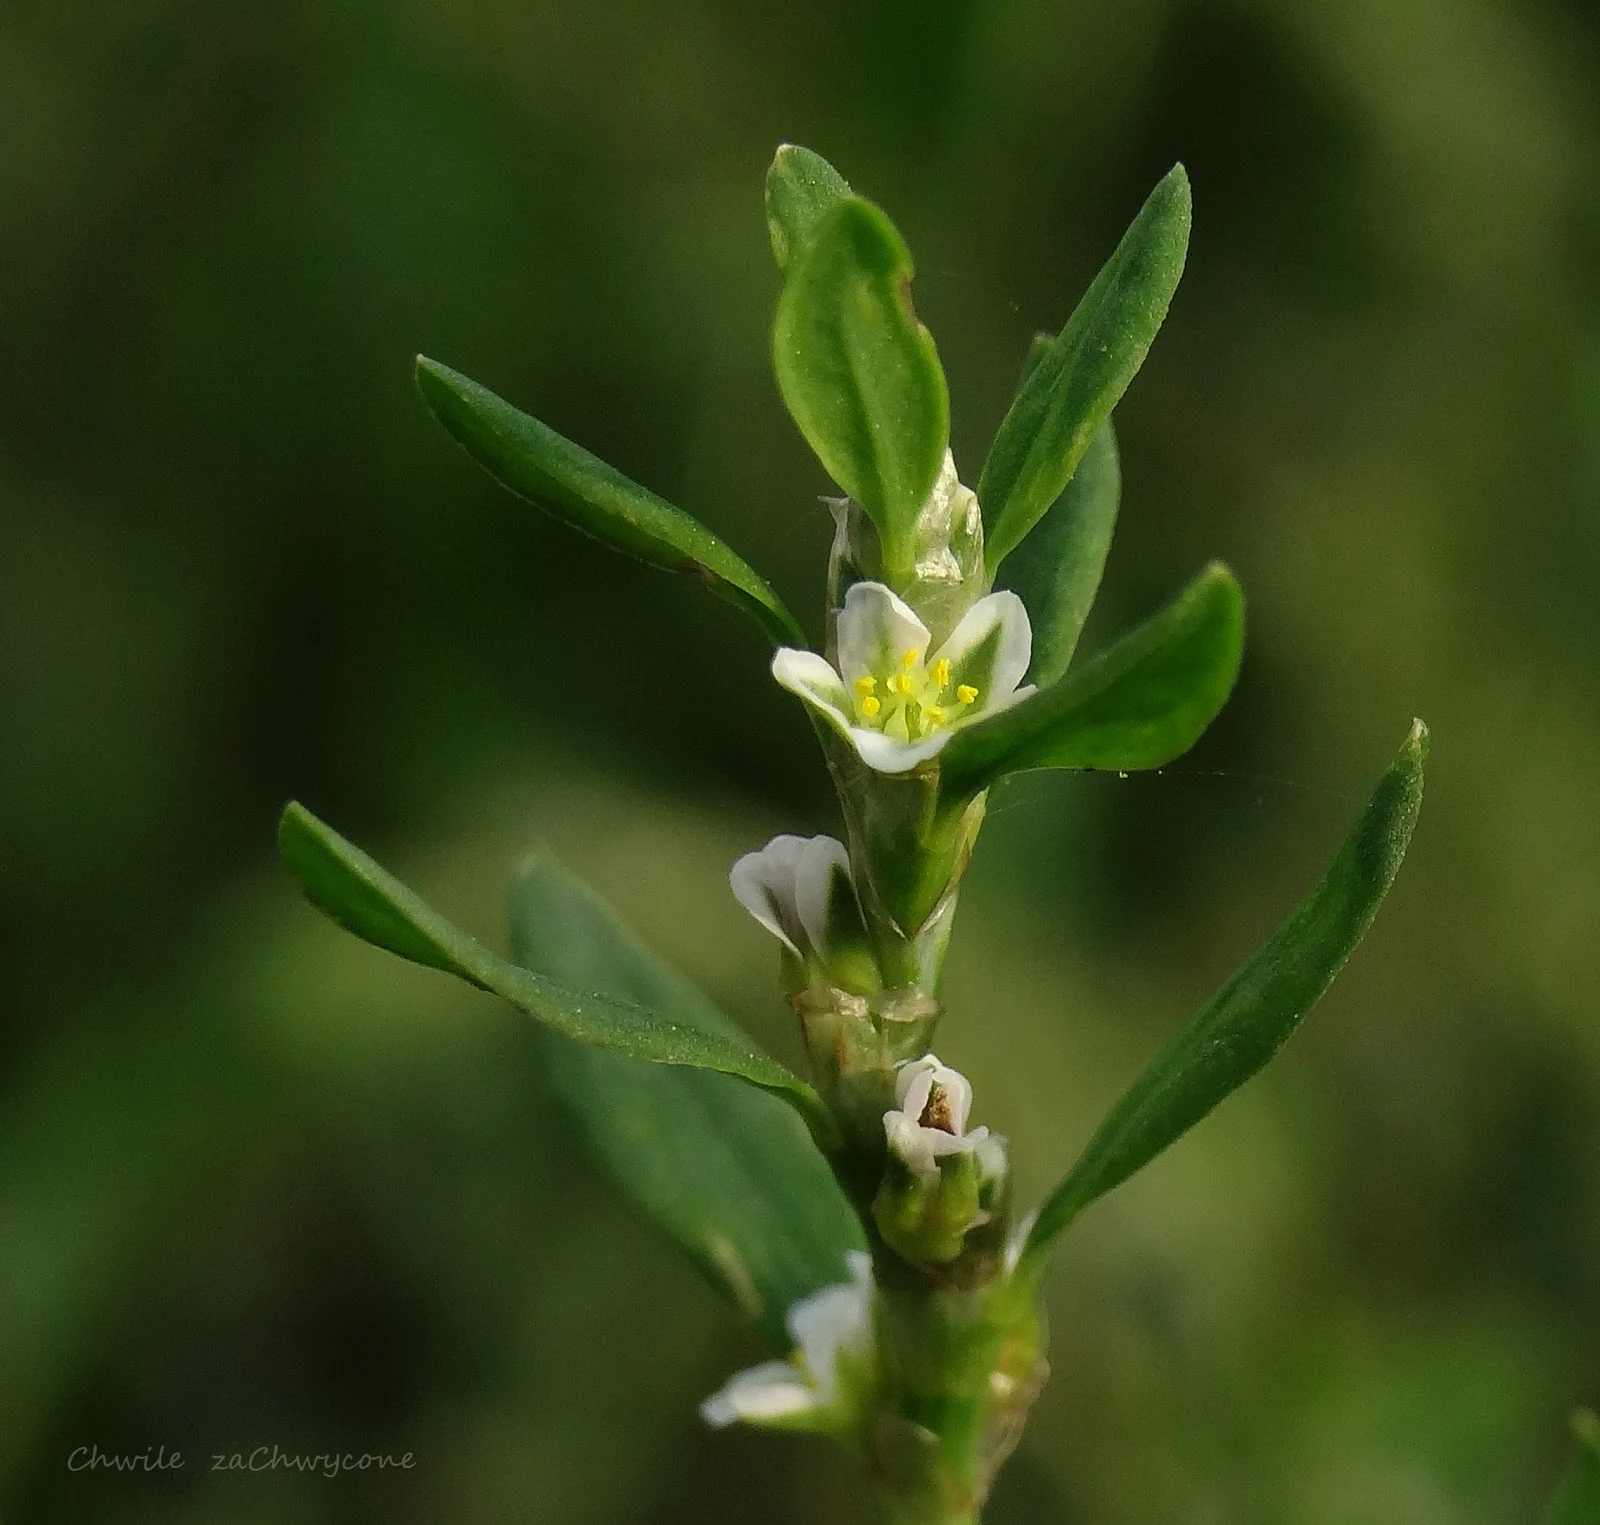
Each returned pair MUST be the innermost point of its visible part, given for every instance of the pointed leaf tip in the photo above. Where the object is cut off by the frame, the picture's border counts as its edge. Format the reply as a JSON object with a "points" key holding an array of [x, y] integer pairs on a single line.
{"points": [[860, 375], [1083, 374], [1139, 704], [363, 897], [1232, 1037], [581, 490], [801, 189]]}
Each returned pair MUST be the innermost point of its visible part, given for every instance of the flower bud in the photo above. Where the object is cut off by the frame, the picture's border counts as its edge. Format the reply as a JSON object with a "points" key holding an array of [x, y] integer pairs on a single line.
{"points": [[947, 549], [800, 889], [940, 1181]]}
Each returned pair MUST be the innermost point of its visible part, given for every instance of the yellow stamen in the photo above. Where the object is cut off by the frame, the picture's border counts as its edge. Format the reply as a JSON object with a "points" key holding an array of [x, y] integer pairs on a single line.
{"points": [[941, 672], [900, 684], [865, 686], [871, 706], [908, 659], [933, 714], [966, 693]]}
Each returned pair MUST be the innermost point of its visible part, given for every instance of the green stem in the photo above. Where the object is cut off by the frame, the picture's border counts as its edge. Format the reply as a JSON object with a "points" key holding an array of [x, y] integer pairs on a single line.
{"points": [[961, 1368]]}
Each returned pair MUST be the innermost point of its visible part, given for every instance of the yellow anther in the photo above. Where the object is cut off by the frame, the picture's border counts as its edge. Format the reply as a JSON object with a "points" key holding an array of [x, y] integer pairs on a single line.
{"points": [[900, 684], [908, 658], [871, 706], [941, 672], [966, 693], [865, 686], [933, 714]]}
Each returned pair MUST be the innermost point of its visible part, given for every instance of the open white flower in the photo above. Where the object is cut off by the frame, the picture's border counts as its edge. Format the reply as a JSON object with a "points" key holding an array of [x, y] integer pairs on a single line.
{"points": [[895, 701], [831, 1324], [930, 1119]]}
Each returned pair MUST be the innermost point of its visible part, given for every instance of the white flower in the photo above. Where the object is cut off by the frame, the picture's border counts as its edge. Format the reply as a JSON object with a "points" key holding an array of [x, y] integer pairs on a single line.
{"points": [[832, 1323], [930, 1119], [800, 889], [791, 885], [895, 701]]}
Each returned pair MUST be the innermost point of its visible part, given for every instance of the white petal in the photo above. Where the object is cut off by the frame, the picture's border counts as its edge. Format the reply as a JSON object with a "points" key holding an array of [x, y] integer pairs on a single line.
{"points": [[914, 1082], [884, 754], [958, 1092], [832, 1320], [773, 1390], [764, 883], [995, 638], [875, 629], [910, 1072], [821, 860], [993, 1154], [808, 675], [919, 1148]]}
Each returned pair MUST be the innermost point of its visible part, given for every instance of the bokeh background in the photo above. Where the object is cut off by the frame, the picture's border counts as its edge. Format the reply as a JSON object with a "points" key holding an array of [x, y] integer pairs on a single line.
{"points": [[261, 1185]]}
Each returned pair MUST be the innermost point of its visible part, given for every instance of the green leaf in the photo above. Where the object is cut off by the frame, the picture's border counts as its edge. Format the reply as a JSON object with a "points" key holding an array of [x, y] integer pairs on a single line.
{"points": [[1138, 705], [802, 188], [1578, 1501], [364, 898], [727, 1171], [1056, 570], [1230, 1038], [860, 374], [1081, 377], [540, 465]]}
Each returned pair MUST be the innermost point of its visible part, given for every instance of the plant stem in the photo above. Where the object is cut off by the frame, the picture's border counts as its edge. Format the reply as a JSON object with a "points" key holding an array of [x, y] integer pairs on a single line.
{"points": [[961, 1368]]}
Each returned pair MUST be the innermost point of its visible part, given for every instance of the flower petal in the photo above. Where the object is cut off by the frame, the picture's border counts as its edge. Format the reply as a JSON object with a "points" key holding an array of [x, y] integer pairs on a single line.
{"points": [[914, 1082], [990, 650], [764, 883], [920, 1149], [821, 881], [915, 1076], [826, 1323], [773, 1390], [810, 677], [875, 629], [888, 754]]}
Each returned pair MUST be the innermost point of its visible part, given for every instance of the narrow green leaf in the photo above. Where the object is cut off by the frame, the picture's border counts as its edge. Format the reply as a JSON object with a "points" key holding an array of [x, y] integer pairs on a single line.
{"points": [[860, 374], [1038, 348], [366, 899], [1578, 1501], [1230, 1038], [1081, 377], [727, 1171], [1138, 705], [802, 188], [1056, 570], [562, 478]]}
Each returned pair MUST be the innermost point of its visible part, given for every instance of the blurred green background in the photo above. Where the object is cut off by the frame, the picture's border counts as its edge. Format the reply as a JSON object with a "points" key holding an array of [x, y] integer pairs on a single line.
{"points": [[261, 1185]]}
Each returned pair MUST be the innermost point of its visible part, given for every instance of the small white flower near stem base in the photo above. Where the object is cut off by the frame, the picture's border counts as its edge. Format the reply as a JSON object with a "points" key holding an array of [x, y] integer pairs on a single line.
{"points": [[832, 1333], [895, 701]]}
